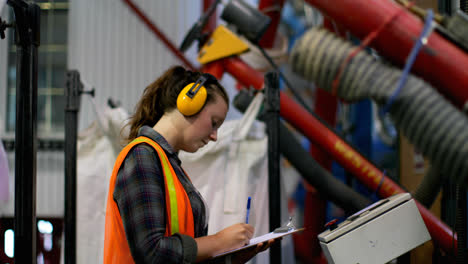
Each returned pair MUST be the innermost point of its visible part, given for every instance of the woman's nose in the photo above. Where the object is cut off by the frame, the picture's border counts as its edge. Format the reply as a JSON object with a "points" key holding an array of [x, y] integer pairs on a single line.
{"points": [[214, 135]]}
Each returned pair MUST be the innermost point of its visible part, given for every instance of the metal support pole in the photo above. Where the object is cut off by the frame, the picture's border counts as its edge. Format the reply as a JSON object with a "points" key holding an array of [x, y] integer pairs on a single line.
{"points": [[72, 93], [27, 16], [272, 109]]}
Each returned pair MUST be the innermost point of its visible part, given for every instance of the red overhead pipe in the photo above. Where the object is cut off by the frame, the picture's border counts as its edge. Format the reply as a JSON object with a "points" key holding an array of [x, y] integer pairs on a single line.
{"points": [[343, 153], [159, 33], [440, 62]]}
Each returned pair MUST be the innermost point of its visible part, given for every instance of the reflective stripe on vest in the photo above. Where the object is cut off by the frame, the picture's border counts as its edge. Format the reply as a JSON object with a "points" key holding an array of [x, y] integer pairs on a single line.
{"points": [[178, 208]]}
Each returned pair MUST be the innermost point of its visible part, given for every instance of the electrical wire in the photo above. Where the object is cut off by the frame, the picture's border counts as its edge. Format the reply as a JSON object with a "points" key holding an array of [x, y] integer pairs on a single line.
{"points": [[422, 40]]}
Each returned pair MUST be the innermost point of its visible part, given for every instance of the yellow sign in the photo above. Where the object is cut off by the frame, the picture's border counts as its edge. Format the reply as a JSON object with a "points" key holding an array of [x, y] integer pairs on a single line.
{"points": [[222, 43]]}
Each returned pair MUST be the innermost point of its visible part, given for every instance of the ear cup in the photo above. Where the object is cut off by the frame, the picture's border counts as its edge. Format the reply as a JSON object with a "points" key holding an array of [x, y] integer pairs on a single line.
{"points": [[190, 106]]}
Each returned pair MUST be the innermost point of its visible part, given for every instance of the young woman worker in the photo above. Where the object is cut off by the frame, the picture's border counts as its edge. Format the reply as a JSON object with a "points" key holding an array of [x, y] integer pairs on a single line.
{"points": [[154, 213]]}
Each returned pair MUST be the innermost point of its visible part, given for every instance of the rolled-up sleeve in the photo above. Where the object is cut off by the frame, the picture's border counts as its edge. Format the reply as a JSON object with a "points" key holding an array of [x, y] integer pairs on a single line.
{"points": [[140, 197]]}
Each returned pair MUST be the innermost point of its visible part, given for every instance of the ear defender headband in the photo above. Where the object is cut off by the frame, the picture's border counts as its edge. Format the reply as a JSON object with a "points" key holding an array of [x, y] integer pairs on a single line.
{"points": [[193, 97]]}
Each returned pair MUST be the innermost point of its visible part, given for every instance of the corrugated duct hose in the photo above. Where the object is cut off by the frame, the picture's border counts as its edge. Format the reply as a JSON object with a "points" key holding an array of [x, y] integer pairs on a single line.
{"points": [[429, 121]]}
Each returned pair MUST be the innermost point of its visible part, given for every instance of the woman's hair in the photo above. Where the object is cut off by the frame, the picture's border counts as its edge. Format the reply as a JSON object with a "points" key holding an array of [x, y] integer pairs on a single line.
{"points": [[161, 96]]}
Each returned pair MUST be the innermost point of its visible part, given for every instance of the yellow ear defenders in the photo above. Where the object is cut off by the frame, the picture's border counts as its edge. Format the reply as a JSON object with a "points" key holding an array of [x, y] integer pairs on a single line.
{"points": [[193, 97]]}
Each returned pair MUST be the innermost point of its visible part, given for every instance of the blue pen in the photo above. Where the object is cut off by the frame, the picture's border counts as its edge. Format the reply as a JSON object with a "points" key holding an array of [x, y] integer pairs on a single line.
{"points": [[248, 211]]}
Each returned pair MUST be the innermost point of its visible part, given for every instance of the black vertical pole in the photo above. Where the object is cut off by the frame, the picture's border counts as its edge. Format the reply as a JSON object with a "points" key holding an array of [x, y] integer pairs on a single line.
{"points": [[272, 110], [72, 93], [27, 17]]}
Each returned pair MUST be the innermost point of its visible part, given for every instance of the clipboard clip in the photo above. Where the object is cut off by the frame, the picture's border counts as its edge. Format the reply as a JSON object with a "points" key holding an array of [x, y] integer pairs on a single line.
{"points": [[287, 228]]}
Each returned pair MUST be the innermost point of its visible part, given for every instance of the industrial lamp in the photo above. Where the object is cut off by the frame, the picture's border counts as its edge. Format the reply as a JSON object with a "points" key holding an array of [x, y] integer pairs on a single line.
{"points": [[249, 22]]}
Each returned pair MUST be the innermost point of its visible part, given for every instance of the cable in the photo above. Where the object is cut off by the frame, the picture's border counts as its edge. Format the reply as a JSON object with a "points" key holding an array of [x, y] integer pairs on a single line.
{"points": [[422, 40]]}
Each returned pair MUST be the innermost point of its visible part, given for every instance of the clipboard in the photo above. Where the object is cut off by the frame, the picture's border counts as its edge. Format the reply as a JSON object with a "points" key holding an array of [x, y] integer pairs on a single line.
{"points": [[263, 238]]}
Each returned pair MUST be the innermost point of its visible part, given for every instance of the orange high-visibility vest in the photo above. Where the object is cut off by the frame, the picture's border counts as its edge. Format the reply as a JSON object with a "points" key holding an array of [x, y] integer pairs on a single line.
{"points": [[178, 208]]}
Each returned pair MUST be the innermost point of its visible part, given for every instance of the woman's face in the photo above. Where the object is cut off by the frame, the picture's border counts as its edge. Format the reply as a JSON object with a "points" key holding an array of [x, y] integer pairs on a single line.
{"points": [[203, 127]]}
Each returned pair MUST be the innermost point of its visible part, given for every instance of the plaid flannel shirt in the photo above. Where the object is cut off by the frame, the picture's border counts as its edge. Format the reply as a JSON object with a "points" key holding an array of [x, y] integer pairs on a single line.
{"points": [[140, 196]]}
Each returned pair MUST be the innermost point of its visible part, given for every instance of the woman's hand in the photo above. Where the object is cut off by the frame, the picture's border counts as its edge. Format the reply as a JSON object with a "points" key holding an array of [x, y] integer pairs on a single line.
{"points": [[235, 236], [230, 238], [248, 253]]}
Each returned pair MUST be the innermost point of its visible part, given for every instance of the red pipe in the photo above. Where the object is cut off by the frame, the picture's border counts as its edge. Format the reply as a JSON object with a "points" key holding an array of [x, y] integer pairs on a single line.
{"points": [[440, 62], [343, 153], [211, 24], [158, 33], [243, 73], [215, 68], [271, 8]]}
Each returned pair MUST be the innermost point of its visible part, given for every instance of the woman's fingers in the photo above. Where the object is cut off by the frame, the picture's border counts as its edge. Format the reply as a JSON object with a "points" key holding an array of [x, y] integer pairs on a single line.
{"points": [[236, 235]]}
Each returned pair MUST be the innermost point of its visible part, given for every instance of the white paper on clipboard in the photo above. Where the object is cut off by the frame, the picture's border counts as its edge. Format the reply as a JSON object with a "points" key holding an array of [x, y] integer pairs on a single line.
{"points": [[263, 238]]}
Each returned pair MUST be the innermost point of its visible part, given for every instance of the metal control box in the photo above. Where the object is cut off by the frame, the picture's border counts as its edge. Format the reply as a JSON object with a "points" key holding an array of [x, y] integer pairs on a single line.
{"points": [[377, 234]]}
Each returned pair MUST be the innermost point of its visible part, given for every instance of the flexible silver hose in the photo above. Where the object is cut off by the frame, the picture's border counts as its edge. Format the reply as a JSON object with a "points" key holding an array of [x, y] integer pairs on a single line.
{"points": [[429, 121]]}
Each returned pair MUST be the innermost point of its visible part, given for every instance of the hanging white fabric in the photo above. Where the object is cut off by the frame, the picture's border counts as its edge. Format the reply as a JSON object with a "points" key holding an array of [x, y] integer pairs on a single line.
{"points": [[98, 147], [228, 171]]}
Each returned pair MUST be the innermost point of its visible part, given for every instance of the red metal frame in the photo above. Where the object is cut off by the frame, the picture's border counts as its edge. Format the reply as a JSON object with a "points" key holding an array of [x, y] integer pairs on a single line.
{"points": [[328, 141], [440, 62]]}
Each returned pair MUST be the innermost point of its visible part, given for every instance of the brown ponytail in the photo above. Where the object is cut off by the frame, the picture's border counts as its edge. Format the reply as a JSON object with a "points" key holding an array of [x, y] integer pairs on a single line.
{"points": [[161, 96]]}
